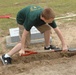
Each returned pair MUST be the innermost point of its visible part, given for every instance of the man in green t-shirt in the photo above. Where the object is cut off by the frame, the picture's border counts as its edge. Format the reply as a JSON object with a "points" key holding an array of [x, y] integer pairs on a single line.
{"points": [[43, 20]]}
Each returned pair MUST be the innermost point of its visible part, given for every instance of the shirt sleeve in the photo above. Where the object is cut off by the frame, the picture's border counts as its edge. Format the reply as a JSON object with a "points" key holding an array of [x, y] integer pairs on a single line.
{"points": [[53, 24]]}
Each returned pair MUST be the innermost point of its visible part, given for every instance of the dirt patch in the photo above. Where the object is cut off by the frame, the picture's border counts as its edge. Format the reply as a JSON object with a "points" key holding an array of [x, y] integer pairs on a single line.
{"points": [[54, 63], [59, 66]]}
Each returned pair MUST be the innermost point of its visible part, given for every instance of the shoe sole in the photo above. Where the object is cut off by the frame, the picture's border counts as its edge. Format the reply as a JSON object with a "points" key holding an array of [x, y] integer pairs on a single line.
{"points": [[2, 60]]}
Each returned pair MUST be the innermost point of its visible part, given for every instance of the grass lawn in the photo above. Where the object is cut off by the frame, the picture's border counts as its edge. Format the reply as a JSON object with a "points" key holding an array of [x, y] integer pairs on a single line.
{"points": [[11, 7]]}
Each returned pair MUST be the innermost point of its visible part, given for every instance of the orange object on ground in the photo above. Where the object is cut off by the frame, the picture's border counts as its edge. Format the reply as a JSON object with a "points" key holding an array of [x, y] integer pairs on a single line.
{"points": [[29, 53], [5, 16]]}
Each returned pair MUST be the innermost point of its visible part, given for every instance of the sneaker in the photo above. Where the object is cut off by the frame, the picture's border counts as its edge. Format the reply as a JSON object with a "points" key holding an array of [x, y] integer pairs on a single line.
{"points": [[5, 61], [50, 48]]}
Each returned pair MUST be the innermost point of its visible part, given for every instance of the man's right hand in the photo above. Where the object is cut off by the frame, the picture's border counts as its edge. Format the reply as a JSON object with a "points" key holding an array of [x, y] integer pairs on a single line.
{"points": [[21, 52]]}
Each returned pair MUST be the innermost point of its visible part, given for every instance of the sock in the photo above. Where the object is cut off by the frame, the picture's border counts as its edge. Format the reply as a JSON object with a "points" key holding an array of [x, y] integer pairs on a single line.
{"points": [[6, 55], [47, 46]]}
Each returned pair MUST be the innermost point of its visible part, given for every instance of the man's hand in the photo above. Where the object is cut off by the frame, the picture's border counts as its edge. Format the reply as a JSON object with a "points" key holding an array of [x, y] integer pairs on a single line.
{"points": [[59, 33], [21, 52], [64, 48], [23, 40]]}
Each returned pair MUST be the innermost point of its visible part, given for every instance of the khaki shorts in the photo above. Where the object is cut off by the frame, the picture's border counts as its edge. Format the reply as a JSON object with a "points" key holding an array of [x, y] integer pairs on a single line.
{"points": [[44, 28], [41, 28]]}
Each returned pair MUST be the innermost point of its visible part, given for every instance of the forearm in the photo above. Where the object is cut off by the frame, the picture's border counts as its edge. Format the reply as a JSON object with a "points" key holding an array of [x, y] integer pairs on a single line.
{"points": [[57, 30], [23, 39]]}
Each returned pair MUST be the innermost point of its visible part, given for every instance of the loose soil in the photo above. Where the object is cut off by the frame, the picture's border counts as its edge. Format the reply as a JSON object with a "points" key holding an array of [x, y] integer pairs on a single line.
{"points": [[53, 63]]}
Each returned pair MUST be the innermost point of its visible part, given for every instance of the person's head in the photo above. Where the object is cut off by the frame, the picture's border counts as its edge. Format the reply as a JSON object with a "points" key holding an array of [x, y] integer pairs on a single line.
{"points": [[47, 15]]}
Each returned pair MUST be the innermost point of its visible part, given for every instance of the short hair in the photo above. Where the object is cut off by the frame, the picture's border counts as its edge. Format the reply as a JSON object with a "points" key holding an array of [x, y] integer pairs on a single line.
{"points": [[48, 13]]}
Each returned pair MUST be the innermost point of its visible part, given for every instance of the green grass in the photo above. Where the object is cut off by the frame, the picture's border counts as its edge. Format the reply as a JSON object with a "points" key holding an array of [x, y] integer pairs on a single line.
{"points": [[13, 6]]}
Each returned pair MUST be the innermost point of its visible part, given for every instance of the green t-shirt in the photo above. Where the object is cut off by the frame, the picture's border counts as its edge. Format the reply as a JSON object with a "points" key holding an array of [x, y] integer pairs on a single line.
{"points": [[30, 16]]}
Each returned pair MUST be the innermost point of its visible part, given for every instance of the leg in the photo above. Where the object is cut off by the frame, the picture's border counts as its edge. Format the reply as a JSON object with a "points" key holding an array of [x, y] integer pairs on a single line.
{"points": [[18, 46], [46, 29], [47, 38], [6, 59], [15, 49]]}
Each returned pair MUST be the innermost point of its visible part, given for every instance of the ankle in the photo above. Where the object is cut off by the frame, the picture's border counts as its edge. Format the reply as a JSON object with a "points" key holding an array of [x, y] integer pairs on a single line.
{"points": [[47, 46]]}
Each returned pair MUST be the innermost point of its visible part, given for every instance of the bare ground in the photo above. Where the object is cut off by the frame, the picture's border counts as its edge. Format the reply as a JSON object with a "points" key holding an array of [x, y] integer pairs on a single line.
{"points": [[54, 63]]}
